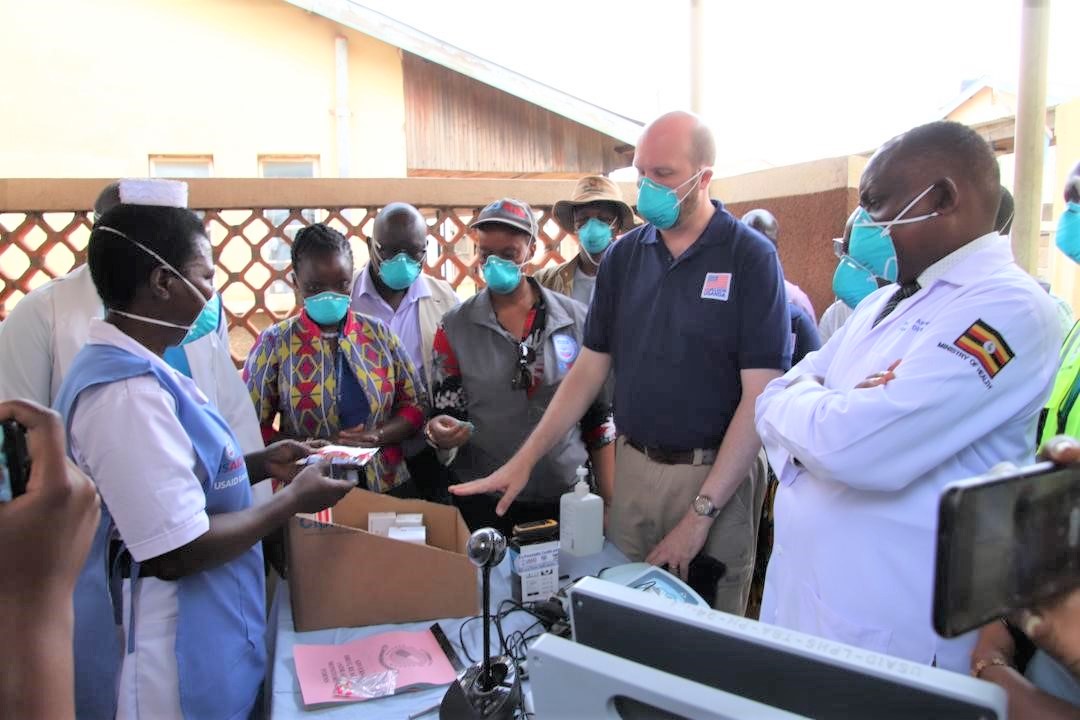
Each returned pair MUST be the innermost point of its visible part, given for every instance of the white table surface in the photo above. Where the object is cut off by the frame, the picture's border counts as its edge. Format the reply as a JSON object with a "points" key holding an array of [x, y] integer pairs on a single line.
{"points": [[286, 701]]}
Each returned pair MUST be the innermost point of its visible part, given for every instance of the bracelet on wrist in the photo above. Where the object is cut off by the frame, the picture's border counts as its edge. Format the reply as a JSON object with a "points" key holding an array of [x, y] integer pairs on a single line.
{"points": [[980, 666]]}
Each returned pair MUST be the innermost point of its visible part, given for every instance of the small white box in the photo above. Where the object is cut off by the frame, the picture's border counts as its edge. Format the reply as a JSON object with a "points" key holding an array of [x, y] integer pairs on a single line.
{"points": [[534, 571], [379, 523], [409, 533]]}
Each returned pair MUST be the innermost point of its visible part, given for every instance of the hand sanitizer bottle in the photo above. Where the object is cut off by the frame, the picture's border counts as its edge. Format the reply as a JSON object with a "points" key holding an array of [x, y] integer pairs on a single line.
{"points": [[581, 519]]}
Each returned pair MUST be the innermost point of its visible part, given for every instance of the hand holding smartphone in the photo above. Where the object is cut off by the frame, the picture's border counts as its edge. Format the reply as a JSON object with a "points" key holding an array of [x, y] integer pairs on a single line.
{"points": [[14, 460], [46, 533], [49, 492], [1006, 542]]}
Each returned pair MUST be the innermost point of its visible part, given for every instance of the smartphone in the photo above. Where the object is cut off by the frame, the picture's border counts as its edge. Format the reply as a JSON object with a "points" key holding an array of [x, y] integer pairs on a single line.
{"points": [[14, 460], [346, 471], [1005, 542]]}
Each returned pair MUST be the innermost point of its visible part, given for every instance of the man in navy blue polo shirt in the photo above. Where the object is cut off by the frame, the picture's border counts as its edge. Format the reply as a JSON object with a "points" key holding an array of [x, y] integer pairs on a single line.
{"points": [[690, 312]]}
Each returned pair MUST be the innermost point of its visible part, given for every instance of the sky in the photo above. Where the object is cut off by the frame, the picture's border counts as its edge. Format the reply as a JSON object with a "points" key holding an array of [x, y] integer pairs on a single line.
{"points": [[785, 80]]}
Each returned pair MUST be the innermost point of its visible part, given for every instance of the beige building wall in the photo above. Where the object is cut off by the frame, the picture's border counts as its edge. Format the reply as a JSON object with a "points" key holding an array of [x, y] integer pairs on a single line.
{"points": [[94, 88]]}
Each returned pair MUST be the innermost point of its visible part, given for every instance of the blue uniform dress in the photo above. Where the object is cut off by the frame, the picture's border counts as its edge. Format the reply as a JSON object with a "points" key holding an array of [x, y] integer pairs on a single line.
{"points": [[220, 635]]}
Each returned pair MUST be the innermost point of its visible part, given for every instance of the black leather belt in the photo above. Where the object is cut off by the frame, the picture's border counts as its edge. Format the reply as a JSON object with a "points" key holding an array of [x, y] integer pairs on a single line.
{"points": [[674, 457]]}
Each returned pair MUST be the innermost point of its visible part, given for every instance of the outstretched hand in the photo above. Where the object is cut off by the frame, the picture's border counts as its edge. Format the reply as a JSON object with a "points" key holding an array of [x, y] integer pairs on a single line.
{"points": [[509, 480]]}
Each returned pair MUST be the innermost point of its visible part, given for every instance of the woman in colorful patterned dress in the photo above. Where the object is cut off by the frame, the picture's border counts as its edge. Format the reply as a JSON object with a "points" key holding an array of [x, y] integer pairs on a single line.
{"points": [[331, 374]]}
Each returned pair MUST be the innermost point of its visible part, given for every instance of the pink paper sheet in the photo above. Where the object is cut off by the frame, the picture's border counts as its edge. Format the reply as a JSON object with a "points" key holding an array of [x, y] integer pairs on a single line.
{"points": [[387, 663]]}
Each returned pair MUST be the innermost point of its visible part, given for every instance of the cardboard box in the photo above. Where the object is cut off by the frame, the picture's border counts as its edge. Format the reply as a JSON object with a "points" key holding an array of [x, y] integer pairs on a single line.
{"points": [[340, 575]]}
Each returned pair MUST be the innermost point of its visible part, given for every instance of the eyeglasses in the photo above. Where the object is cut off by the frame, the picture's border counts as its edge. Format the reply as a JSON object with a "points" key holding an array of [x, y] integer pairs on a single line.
{"points": [[838, 247], [384, 253], [523, 377]]}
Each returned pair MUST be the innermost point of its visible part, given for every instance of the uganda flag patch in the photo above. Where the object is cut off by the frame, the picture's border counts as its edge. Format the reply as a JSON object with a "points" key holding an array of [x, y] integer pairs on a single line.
{"points": [[986, 345]]}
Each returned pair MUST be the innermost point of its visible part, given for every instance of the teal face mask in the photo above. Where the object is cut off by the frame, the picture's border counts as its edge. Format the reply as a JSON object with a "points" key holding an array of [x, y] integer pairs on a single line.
{"points": [[1067, 237], [204, 323], [502, 276], [852, 282], [327, 308], [399, 272], [872, 248], [871, 244], [659, 204], [595, 236]]}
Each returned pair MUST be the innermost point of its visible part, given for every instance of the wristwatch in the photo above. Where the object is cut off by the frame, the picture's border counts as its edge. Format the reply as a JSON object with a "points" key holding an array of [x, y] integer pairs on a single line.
{"points": [[703, 506]]}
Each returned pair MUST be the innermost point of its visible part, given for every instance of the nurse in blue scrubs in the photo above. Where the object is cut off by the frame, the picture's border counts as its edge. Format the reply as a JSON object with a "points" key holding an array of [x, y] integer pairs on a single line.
{"points": [[176, 562]]}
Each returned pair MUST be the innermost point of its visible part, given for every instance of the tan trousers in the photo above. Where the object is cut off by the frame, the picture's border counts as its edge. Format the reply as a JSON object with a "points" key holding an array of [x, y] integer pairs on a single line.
{"points": [[651, 498]]}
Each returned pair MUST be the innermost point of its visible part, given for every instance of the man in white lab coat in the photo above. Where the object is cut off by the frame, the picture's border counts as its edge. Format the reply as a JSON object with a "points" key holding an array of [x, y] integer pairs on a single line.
{"points": [[934, 379], [46, 329]]}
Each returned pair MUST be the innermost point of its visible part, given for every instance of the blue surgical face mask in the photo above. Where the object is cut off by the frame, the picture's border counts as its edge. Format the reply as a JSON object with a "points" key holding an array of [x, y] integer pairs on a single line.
{"points": [[502, 276], [399, 272], [595, 236], [659, 204], [852, 282], [204, 323], [871, 243], [327, 308], [1067, 237]]}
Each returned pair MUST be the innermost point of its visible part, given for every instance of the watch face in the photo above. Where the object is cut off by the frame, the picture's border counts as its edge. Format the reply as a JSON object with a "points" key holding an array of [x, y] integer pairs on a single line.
{"points": [[703, 505]]}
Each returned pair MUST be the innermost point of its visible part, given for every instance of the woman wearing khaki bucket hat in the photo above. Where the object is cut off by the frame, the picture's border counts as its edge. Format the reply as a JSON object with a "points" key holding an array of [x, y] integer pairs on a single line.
{"points": [[595, 214]]}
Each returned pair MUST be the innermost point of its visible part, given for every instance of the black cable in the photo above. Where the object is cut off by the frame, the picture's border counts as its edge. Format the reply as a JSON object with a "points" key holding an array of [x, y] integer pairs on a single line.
{"points": [[461, 637], [517, 643], [515, 605], [503, 614], [500, 615]]}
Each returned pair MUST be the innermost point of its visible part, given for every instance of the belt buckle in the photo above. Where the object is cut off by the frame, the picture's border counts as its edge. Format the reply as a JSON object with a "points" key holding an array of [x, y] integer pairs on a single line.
{"points": [[659, 455]]}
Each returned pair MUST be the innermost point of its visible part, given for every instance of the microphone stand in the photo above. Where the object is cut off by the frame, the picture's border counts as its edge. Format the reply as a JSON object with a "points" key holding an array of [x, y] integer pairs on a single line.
{"points": [[486, 681], [490, 689]]}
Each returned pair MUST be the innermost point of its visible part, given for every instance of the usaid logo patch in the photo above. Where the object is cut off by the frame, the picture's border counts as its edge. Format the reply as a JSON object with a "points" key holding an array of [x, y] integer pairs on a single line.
{"points": [[230, 461], [716, 287]]}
